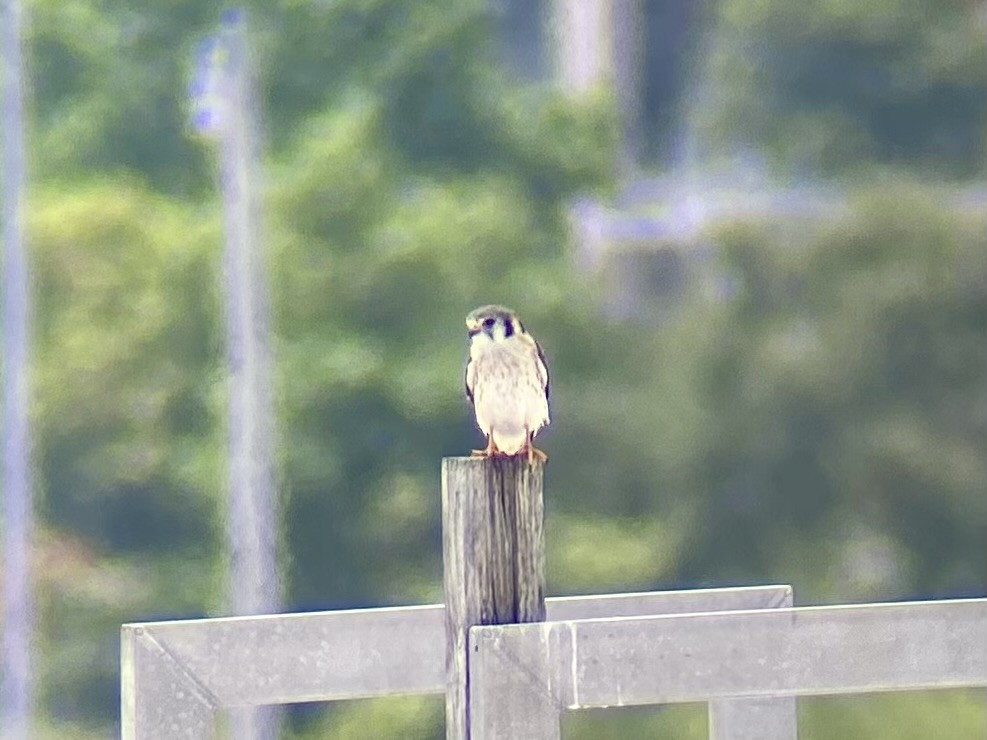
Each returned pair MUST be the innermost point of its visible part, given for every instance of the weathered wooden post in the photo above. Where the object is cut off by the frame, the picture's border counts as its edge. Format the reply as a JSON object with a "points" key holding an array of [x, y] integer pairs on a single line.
{"points": [[493, 549]]}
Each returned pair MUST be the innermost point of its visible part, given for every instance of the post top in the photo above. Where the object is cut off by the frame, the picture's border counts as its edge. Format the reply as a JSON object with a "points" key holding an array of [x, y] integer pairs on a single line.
{"points": [[497, 462]]}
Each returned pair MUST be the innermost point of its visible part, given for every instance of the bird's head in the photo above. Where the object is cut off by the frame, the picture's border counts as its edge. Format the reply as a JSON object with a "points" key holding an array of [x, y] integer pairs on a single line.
{"points": [[493, 324]]}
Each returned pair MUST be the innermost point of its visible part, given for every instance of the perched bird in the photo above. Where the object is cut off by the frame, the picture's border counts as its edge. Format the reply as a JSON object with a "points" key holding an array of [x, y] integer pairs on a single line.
{"points": [[507, 382]]}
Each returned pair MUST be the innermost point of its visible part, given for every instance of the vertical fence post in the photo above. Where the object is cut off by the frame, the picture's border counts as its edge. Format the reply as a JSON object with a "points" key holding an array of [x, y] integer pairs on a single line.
{"points": [[493, 548], [757, 718]]}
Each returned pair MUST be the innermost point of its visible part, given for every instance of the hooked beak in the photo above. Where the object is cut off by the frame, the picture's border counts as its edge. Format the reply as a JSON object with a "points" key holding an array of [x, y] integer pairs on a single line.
{"points": [[473, 328]]}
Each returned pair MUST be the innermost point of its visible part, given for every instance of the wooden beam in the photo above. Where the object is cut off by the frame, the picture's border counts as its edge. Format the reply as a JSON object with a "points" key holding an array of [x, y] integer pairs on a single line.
{"points": [[522, 675], [493, 548], [351, 653]]}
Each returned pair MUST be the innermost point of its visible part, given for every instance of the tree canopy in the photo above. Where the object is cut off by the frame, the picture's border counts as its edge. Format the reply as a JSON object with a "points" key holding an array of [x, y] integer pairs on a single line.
{"points": [[819, 422]]}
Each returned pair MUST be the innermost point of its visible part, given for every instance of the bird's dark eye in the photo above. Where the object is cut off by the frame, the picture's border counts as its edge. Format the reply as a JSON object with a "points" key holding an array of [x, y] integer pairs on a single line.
{"points": [[488, 323]]}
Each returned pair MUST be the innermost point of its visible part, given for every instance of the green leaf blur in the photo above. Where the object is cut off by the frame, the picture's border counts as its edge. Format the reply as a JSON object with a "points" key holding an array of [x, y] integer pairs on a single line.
{"points": [[819, 422]]}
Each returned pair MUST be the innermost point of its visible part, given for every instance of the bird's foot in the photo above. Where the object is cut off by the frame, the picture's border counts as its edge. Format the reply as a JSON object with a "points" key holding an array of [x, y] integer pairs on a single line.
{"points": [[489, 451], [533, 453]]}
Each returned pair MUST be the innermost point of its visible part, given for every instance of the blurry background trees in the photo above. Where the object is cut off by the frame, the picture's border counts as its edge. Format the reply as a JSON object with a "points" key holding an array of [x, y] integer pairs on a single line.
{"points": [[807, 407]]}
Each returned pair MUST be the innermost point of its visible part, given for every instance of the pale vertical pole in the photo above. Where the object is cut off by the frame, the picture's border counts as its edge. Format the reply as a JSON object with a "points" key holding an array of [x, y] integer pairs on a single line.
{"points": [[15, 681], [627, 52], [253, 588], [600, 43], [580, 37], [252, 517]]}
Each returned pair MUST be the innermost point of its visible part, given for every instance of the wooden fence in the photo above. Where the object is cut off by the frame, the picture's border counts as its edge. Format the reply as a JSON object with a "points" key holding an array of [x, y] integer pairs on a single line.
{"points": [[510, 661]]}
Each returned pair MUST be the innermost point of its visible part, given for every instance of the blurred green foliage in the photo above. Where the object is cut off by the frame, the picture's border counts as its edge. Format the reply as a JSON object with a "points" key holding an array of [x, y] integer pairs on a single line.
{"points": [[835, 86], [903, 716], [821, 423]]}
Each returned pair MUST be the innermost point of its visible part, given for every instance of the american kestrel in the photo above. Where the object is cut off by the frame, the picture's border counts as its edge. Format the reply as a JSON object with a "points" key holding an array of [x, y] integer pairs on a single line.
{"points": [[507, 382]]}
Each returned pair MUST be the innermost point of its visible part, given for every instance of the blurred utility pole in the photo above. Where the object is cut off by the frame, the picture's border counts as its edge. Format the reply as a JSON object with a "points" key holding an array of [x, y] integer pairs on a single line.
{"points": [[581, 43], [15, 680], [223, 108], [599, 43], [627, 54]]}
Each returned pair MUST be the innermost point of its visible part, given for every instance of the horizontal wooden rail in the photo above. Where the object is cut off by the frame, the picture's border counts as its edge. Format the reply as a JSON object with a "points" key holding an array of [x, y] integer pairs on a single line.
{"points": [[175, 674], [523, 676]]}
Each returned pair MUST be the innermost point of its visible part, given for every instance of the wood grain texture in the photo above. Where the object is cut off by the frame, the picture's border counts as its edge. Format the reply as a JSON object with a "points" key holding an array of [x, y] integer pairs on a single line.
{"points": [[493, 548]]}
